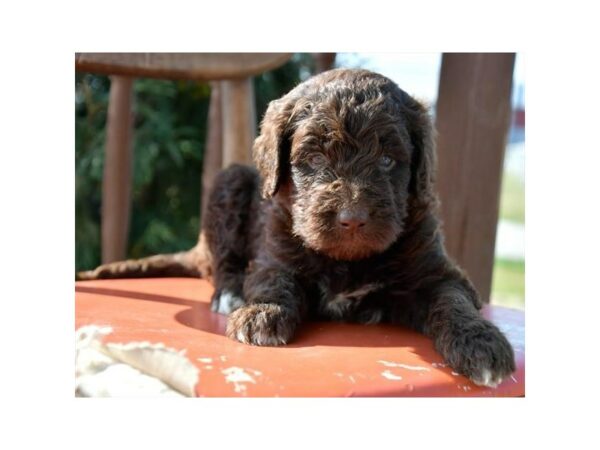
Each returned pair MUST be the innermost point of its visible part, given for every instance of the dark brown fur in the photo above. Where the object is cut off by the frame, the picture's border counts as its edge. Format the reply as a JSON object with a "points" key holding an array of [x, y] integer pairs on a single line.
{"points": [[340, 223]]}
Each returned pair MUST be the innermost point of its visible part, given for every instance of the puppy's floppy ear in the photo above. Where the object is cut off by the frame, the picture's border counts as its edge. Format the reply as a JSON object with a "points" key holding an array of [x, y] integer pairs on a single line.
{"points": [[271, 148], [422, 136]]}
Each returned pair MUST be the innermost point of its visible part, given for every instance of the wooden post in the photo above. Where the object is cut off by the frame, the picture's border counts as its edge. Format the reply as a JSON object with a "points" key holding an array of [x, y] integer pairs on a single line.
{"points": [[213, 152], [239, 120], [324, 61], [116, 182], [472, 120]]}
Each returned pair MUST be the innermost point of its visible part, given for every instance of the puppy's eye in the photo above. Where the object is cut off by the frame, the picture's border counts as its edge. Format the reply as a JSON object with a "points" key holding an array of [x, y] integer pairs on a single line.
{"points": [[317, 160], [386, 163]]}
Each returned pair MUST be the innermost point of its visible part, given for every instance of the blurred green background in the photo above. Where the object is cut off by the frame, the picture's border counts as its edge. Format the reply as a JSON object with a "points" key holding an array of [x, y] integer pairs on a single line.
{"points": [[508, 283]]}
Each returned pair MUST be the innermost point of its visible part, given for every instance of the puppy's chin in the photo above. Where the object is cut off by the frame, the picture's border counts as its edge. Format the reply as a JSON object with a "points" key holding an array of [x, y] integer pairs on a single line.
{"points": [[349, 254], [351, 248]]}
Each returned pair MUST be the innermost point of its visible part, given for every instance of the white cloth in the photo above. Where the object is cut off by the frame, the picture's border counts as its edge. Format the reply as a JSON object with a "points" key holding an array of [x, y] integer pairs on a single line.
{"points": [[131, 369]]}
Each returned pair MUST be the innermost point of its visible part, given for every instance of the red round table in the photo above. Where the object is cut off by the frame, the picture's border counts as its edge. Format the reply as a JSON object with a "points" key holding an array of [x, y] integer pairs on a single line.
{"points": [[324, 360]]}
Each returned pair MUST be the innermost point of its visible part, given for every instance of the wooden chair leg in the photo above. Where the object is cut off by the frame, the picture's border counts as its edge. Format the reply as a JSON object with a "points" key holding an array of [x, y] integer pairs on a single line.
{"points": [[213, 152], [116, 184], [473, 117], [239, 121]]}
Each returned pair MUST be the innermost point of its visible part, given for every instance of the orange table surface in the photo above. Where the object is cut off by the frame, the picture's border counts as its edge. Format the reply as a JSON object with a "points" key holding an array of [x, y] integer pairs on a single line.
{"points": [[324, 360]]}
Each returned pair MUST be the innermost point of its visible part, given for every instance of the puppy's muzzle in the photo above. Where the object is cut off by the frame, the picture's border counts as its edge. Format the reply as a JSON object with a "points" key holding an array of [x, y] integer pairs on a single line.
{"points": [[350, 220]]}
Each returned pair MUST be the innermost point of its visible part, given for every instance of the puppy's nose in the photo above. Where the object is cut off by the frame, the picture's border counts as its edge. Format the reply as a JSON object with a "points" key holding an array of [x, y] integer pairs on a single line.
{"points": [[352, 219]]}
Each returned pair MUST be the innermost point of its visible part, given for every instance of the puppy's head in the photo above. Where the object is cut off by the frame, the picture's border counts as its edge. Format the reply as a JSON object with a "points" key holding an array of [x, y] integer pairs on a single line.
{"points": [[352, 154]]}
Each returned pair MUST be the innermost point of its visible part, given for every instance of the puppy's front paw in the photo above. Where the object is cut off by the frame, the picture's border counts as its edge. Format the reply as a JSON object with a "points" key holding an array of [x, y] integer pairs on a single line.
{"points": [[482, 353], [262, 324]]}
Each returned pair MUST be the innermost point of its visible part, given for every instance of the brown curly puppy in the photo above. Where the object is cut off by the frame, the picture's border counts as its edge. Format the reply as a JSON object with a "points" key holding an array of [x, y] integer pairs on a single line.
{"points": [[339, 223]]}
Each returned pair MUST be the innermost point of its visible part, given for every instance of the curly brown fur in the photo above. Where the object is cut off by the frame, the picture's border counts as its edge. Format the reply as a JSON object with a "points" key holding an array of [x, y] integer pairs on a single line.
{"points": [[346, 228]]}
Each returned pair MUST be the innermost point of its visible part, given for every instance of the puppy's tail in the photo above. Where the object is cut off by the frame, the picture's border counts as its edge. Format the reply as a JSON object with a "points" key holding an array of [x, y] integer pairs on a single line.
{"points": [[195, 263]]}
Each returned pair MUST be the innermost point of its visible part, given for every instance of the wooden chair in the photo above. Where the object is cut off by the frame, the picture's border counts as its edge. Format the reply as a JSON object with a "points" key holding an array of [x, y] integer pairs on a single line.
{"points": [[228, 141]]}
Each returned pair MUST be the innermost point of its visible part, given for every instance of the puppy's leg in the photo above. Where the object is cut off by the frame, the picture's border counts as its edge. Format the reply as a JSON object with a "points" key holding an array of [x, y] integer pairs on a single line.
{"points": [[472, 345], [275, 307], [232, 208]]}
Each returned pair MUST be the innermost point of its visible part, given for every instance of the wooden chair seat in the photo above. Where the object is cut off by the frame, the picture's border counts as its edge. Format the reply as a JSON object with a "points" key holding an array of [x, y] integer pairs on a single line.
{"points": [[189, 66], [325, 359]]}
